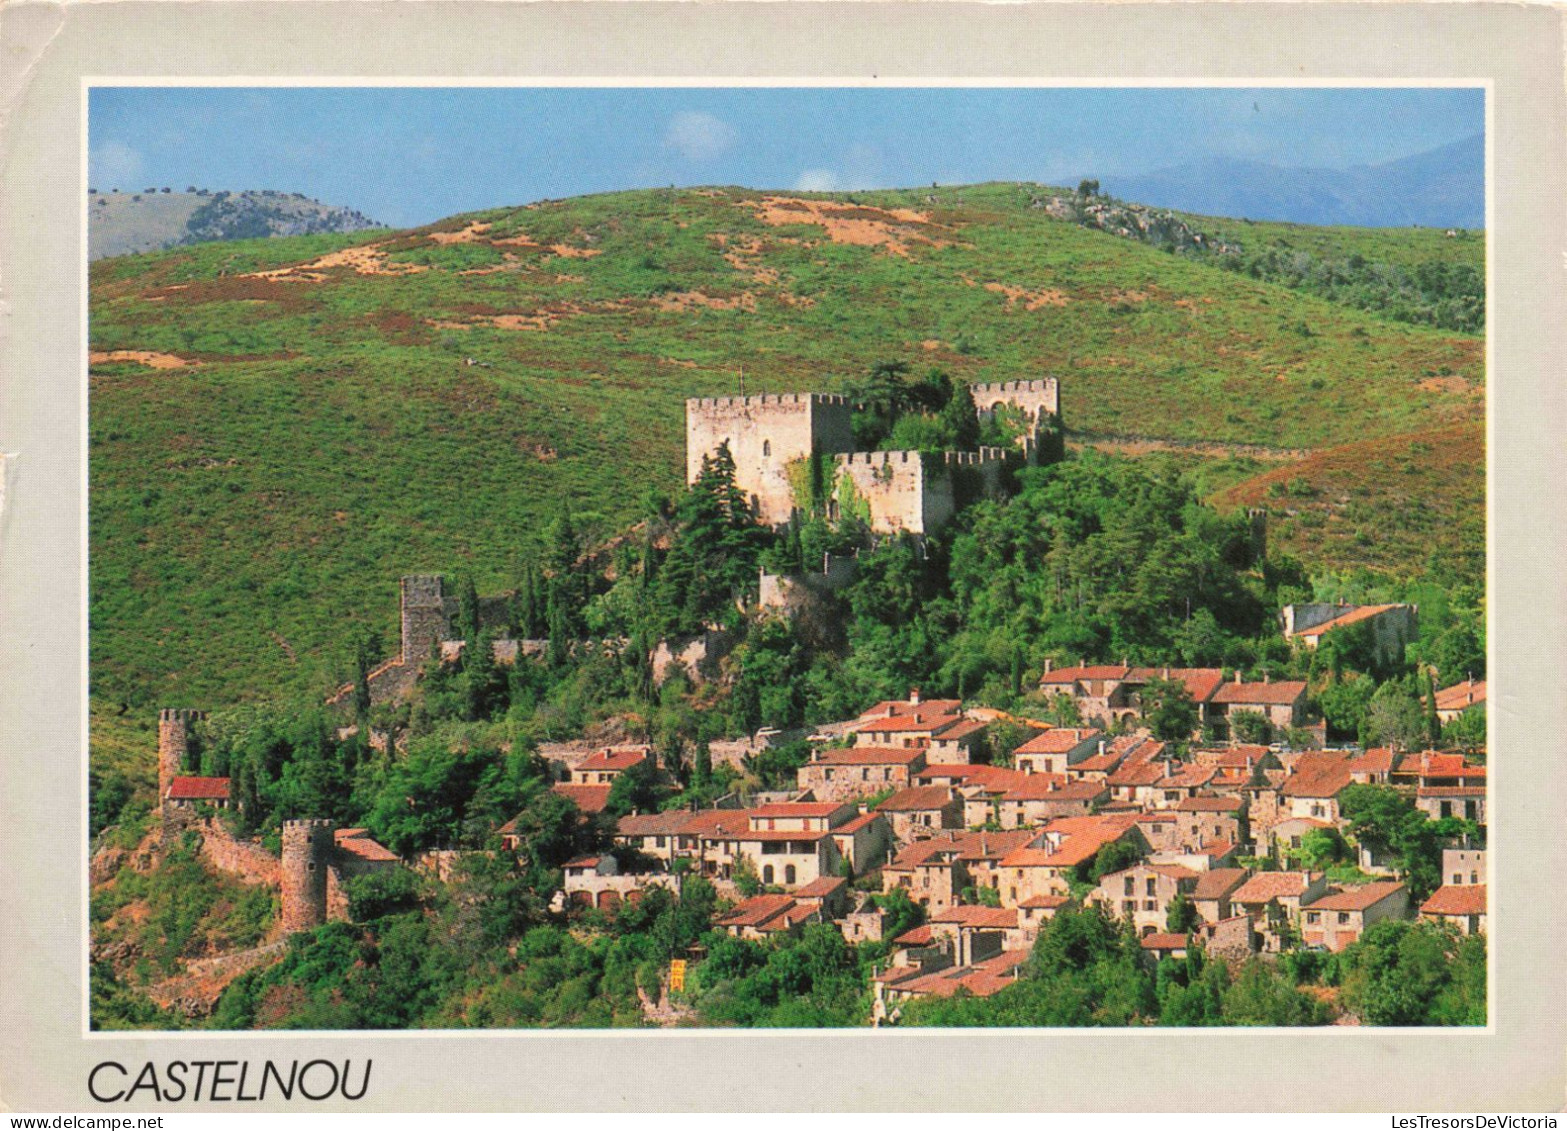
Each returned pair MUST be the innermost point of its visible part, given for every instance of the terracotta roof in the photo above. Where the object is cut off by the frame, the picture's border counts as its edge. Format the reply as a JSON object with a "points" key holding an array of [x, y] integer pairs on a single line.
{"points": [[918, 798], [1163, 941], [960, 845], [757, 910], [855, 825], [583, 862], [798, 809], [1378, 761], [1200, 683], [1266, 886], [1430, 764], [970, 773], [970, 915], [963, 729], [1355, 898], [588, 798], [612, 760], [918, 936], [198, 789], [718, 824], [1466, 899], [904, 723], [1217, 883], [1318, 774], [668, 823], [1172, 871], [1450, 791], [1271, 694], [868, 756], [1059, 740], [905, 707], [1031, 790], [1084, 836], [1469, 693], [1349, 616], [1074, 675], [1209, 805], [358, 843], [821, 887], [1045, 901]]}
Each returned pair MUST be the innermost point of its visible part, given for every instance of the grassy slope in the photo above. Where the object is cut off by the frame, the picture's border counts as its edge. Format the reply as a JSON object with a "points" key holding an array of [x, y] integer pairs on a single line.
{"points": [[252, 511]]}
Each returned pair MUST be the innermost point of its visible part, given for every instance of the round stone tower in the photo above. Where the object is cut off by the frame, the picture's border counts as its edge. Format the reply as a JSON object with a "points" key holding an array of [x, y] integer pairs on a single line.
{"points": [[174, 734], [307, 849]]}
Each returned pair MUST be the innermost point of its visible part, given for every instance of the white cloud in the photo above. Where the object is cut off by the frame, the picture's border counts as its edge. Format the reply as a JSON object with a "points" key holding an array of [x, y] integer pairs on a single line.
{"points": [[816, 180], [698, 136], [114, 165]]}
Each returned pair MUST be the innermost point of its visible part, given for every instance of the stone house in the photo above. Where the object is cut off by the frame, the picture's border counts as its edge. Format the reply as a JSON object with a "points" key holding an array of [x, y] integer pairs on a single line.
{"points": [[844, 774], [935, 871], [1143, 893], [1052, 751], [1392, 627], [1455, 700], [1461, 905], [955, 744], [1096, 689], [863, 841], [1205, 820], [598, 882], [604, 766], [1213, 891], [1463, 866], [919, 809], [975, 933], [1466, 801], [763, 916], [1047, 864], [1272, 901], [1040, 798], [1287, 837], [1341, 916], [1283, 703]]}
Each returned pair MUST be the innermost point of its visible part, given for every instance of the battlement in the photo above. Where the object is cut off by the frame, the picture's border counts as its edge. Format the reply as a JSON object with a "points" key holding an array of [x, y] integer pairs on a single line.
{"points": [[180, 715], [1041, 386], [977, 459], [878, 459], [306, 824], [424, 590], [767, 400]]}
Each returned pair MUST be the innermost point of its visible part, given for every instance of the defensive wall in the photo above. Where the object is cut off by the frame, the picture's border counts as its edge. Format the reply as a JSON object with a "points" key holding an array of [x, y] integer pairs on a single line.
{"points": [[767, 436]]}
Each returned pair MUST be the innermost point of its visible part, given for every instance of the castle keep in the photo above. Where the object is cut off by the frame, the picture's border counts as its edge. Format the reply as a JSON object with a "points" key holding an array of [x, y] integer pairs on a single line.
{"points": [[774, 438], [766, 435]]}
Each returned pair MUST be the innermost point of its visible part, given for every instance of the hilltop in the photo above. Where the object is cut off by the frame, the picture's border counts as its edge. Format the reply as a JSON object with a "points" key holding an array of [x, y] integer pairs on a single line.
{"points": [[125, 223], [282, 427]]}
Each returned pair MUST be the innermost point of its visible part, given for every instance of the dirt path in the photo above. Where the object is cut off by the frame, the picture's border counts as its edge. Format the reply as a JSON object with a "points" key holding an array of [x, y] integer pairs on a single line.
{"points": [[1142, 445]]}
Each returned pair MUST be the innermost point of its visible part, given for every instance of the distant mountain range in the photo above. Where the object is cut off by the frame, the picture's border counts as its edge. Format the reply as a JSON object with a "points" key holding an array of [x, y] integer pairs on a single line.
{"points": [[127, 223], [1441, 188]]}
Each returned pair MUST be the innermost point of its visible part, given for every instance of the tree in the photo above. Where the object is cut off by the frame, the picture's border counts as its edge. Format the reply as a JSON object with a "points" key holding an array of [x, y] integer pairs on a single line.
{"points": [[1182, 915], [635, 789], [1251, 726], [1168, 709], [1403, 973], [959, 420], [1088, 188], [1433, 722], [1394, 718], [1467, 731]]}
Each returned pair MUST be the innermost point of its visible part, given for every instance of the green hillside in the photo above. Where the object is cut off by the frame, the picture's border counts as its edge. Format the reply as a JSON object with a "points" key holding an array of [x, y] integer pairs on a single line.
{"points": [[280, 428]]}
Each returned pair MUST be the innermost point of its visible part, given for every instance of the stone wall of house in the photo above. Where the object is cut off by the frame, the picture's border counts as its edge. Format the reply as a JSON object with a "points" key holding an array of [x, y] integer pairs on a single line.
{"points": [[766, 434]]}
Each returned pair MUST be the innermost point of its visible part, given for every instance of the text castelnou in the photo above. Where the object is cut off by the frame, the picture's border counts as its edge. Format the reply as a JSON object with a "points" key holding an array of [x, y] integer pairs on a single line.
{"points": [[183, 1081]]}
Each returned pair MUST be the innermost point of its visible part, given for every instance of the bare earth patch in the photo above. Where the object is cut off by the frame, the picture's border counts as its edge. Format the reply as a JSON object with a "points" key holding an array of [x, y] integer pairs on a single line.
{"points": [[470, 234], [1450, 384], [891, 228], [368, 259], [148, 358], [693, 300], [1031, 300]]}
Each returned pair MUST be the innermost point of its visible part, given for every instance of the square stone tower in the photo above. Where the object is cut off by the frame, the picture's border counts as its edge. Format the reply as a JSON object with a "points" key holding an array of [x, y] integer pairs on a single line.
{"points": [[771, 438]]}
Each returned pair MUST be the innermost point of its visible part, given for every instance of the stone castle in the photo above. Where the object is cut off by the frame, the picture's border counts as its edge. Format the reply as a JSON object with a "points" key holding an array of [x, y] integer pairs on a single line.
{"points": [[781, 442]]}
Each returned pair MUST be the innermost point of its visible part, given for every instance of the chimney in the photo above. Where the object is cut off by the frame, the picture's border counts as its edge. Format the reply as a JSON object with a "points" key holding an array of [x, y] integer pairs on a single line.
{"points": [[1237, 677], [1266, 676], [1166, 674], [1049, 664], [1101, 746], [914, 696]]}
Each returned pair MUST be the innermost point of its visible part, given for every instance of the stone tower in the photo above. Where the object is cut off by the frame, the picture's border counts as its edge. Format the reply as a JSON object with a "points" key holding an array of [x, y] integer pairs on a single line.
{"points": [[174, 735], [426, 617], [1040, 403], [771, 438], [307, 851]]}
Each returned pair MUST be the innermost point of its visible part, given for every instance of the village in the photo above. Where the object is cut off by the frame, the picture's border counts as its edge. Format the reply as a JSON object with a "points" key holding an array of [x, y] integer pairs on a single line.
{"points": [[1220, 825]]}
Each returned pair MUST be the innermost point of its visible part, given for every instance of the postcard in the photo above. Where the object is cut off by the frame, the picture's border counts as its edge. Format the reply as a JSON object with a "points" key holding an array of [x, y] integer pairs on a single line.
{"points": [[557, 558]]}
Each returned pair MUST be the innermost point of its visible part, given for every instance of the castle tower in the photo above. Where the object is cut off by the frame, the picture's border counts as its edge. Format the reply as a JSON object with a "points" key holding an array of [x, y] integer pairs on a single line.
{"points": [[174, 735], [307, 850], [1040, 403], [771, 438], [426, 620]]}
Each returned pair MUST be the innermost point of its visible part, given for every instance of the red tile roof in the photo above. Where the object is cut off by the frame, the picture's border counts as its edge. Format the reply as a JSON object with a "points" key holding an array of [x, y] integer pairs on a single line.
{"points": [[1045, 901], [1058, 740], [1209, 805], [1163, 941], [198, 789], [757, 910], [668, 823], [1200, 683], [798, 809], [1270, 694], [1355, 898], [1321, 773], [1450, 791], [1266, 886], [900, 724], [918, 936], [358, 843], [1082, 673], [868, 756], [1465, 899], [1054, 790], [963, 729], [855, 825], [971, 915], [822, 887], [1469, 693], [918, 798], [588, 798], [1217, 883], [612, 760]]}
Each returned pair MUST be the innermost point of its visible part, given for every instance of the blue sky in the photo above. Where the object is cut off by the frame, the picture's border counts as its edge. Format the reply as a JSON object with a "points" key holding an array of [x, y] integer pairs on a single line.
{"points": [[407, 156]]}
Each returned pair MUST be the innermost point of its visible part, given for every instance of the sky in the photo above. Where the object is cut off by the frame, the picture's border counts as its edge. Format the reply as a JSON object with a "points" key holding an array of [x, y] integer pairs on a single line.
{"points": [[409, 156]]}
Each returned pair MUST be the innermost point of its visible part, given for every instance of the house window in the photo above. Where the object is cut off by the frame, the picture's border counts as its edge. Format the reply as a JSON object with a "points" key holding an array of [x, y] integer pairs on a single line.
{"points": [[1343, 917], [789, 874], [659, 841], [1458, 877], [767, 448], [1150, 888], [767, 874], [1474, 877], [1150, 905], [1130, 888], [1313, 916]]}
